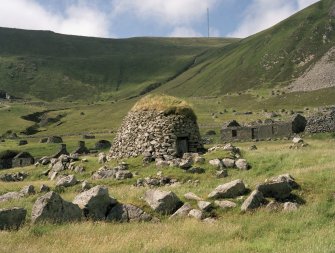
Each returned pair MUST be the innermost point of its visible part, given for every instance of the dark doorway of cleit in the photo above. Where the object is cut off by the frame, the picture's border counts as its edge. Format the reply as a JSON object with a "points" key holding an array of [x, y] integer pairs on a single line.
{"points": [[182, 146]]}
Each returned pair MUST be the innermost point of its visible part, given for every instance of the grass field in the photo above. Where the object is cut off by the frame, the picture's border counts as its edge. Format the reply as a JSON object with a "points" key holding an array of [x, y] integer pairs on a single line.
{"points": [[310, 229]]}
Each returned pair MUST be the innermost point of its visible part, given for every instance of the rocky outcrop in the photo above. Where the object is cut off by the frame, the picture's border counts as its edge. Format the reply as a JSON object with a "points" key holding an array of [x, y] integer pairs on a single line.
{"points": [[156, 134], [229, 190], [52, 208], [95, 203], [162, 202], [12, 218]]}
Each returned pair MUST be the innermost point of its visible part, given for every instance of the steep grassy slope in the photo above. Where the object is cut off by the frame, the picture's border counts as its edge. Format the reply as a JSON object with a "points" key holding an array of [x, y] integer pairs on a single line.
{"points": [[48, 66], [270, 58]]}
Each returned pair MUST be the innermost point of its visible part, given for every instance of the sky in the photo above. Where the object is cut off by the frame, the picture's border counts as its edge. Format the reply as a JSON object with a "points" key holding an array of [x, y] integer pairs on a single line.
{"points": [[159, 18]]}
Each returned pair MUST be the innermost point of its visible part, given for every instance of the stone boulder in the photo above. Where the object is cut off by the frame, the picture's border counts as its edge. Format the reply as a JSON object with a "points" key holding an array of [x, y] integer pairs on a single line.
{"points": [[12, 218], [127, 213], [255, 200], [162, 202], [217, 163], [52, 208], [228, 163], [95, 203], [229, 190], [192, 196], [222, 173], [67, 181], [103, 173], [242, 164], [44, 188], [28, 190], [278, 187], [290, 207], [123, 174], [196, 170], [102, 158], [197, 214], [225, 204], [182, 211], [205, 205]]}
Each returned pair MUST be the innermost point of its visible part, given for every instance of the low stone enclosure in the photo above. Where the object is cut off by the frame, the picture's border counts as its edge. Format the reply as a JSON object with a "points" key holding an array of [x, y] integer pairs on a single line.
{"points": [[158, 126], [233, 131]]}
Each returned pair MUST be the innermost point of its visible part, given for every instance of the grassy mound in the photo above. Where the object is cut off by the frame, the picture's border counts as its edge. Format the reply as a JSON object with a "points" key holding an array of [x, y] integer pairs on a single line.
{"points": [[164, 103]]}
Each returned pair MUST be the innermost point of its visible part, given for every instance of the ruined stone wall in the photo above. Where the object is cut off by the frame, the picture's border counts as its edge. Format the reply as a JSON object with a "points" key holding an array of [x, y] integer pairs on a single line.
{"points": [[152, 133], [321, 123]]}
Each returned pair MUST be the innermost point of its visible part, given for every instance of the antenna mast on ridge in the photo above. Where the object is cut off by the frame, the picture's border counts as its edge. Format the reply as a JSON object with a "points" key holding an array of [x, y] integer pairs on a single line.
{"points": [[208, 21]]}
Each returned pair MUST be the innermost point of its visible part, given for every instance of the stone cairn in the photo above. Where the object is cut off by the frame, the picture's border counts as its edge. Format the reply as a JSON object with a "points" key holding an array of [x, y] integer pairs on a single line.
{"points": [[154, 134]]}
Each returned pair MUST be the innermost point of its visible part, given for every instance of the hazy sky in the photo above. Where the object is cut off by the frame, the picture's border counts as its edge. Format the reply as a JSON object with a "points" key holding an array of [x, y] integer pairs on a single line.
{"points": [[130, 18]]}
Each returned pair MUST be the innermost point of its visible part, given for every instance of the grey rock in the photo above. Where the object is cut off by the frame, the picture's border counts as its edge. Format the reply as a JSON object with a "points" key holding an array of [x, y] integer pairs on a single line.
{"points": [[196, 170], [182, 211], [52, 208], [127, 213], [197, 214], [229, 190], [12, 218], [162, 201], [10, 196], [273, 206], [104, 173], [290, 207], [85, 186], [228, 163], [279, 187], [67, 181], [185, 164], [123, 174], [222, 173], [225, 204], [297, 140], [102, 158], [217, 163], [205, 205], [255, 200], [242, 164], [44, 188], [192, 196], [96, 202], [210, 220], [28, 190]]}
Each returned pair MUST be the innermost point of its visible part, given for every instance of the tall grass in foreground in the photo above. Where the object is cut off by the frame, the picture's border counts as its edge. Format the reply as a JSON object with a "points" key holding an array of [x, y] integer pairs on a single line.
{"points": [[310, 229]]}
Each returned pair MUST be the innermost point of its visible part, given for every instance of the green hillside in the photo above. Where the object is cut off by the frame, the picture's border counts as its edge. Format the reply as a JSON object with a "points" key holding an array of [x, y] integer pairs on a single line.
{"points": [[48, 66], [270, 58]]}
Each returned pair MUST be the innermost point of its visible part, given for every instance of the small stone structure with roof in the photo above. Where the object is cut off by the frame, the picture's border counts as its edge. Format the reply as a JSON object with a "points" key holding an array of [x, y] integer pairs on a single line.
{"points": [[12, 159], [158, 126], [263, 130]]}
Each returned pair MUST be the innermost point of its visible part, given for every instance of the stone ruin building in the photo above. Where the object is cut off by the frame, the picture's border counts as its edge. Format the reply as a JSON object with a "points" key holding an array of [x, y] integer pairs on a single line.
{"points": [[12, 159], [158, 126], [263, 130]]}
